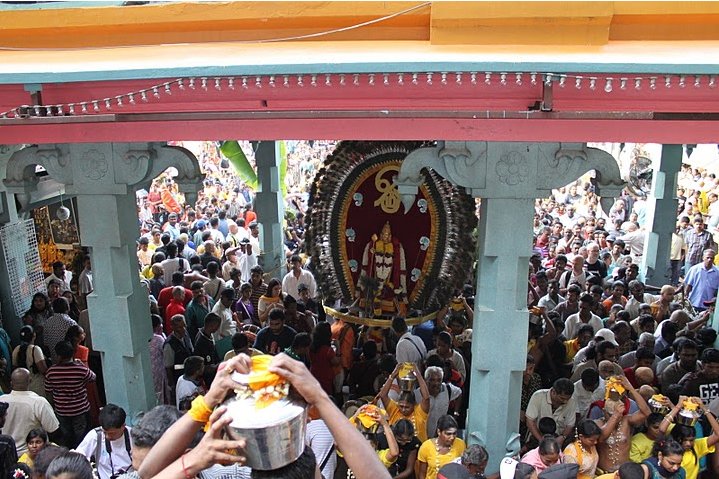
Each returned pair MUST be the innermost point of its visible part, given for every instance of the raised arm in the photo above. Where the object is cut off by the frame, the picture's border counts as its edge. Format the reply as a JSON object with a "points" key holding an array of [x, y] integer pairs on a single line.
{"points": [[714, 438], [391, 440], [178, 437], [638, 417], [358, 453], [383, 393], [423, 389], [611, 424]]}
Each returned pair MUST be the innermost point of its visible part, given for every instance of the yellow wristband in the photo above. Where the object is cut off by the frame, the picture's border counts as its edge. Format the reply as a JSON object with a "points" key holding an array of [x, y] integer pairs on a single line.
{"points": [[199, 411]]}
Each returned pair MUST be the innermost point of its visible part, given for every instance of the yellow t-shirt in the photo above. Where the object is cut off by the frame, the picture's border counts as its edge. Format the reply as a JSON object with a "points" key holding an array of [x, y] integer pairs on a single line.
{"points": [[641, 448], [428, 454], [418, 419], [690, 462], [383, 457], [611, 475], [25, 458]]}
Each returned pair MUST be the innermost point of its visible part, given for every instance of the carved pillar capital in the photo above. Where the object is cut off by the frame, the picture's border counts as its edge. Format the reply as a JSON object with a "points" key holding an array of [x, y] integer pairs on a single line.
{"points": [[510, 169]]}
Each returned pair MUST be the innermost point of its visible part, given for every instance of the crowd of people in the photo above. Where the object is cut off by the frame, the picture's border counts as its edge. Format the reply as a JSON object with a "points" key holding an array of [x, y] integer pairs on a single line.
{"points": [[621, 379]]}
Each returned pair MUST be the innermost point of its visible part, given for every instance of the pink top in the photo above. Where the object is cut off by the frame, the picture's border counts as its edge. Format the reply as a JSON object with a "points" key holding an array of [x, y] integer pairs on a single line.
{"points": [[532, 458]]}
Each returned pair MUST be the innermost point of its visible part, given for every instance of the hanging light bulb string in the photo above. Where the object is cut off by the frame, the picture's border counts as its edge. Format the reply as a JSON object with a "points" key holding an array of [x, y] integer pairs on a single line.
{"points": [[506, 79]]}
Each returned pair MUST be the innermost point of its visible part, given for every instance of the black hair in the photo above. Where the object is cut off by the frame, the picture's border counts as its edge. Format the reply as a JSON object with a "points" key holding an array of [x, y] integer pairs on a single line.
{"points": [[70, 465], [64, 350], [239, 341], [302, 468], [73, 332], [399, 325], [195, 285], [563, 386], [446, 422], [156, 320], [112, 417], [178, 278], [631, 470], [212, 267], [45, 457], [590, 377], [277, 313], [369, 349], [37, 432], [387, 363], [271, 285], [587, 427], [403, 427], [301, 340], [445, 337], [547, 426], [709, 355], [60, 305], [321, 336], [26, 336], [585, 328], [211, 318], [644, 353], [406, 396], [654, 418], [193, 364], [668, 447]]}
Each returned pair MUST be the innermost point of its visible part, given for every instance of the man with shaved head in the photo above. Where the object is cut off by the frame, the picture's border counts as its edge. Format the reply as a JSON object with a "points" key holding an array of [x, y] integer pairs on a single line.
{"points": [[26, 410]]}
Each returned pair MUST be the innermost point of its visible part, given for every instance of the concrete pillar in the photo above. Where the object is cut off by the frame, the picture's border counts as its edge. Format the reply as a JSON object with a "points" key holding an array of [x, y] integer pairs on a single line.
{"points": [[508, 177], [661, 217], [118, 306], [269, 206], [104, 177], [500, 311]]}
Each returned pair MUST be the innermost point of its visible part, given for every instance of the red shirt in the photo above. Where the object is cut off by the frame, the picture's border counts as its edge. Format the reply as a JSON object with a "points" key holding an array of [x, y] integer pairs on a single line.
{"points": [[322, 367], [165, 297], [175, 307]]}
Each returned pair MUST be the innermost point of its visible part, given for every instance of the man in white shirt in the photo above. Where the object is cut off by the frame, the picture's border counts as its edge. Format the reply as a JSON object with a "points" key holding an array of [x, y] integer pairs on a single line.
{"points": [[60, 274], [223, 308], [584, 316], [296, 276], [84, 283], [27, 410], [410, 348], [110, 444]]}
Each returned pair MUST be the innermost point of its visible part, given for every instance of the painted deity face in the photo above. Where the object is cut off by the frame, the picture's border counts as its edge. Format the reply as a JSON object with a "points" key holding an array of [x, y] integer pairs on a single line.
{"points": [[386, 235]]}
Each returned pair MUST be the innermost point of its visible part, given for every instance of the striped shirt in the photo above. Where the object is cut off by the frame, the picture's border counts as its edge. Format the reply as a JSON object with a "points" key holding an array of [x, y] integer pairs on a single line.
{"points": [[257, 291], [67, 383]]}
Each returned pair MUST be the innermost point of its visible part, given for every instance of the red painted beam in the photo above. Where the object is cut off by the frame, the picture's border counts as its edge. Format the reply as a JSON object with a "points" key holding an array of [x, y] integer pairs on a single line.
{"points": [[564, 130]]}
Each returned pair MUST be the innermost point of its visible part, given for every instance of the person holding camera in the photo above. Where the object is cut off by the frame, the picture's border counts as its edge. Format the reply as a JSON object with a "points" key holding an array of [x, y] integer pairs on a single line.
{"points": [[108, 446]]}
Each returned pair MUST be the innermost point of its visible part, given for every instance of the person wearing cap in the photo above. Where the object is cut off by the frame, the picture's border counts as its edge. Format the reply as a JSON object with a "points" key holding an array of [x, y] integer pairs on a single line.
{"points": [[512, 469], [454, 470], [702, 281], [697, 240], [298, 275], [197, 237]]}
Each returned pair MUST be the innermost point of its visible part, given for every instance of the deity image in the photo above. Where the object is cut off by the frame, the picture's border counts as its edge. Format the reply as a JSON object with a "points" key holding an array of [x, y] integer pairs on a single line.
{"points": [[383, 282]]}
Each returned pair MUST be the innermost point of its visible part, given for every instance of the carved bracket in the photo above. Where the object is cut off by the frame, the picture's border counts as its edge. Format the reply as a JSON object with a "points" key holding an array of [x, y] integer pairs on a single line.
{"points": [[509, 169]]}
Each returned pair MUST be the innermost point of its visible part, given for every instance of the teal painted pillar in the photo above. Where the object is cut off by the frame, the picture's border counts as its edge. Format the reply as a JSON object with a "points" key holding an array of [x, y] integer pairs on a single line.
{"points": [[507, 177], [104, 178], [500, 312], [661, 217], [118, 306], [269, 206]]}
